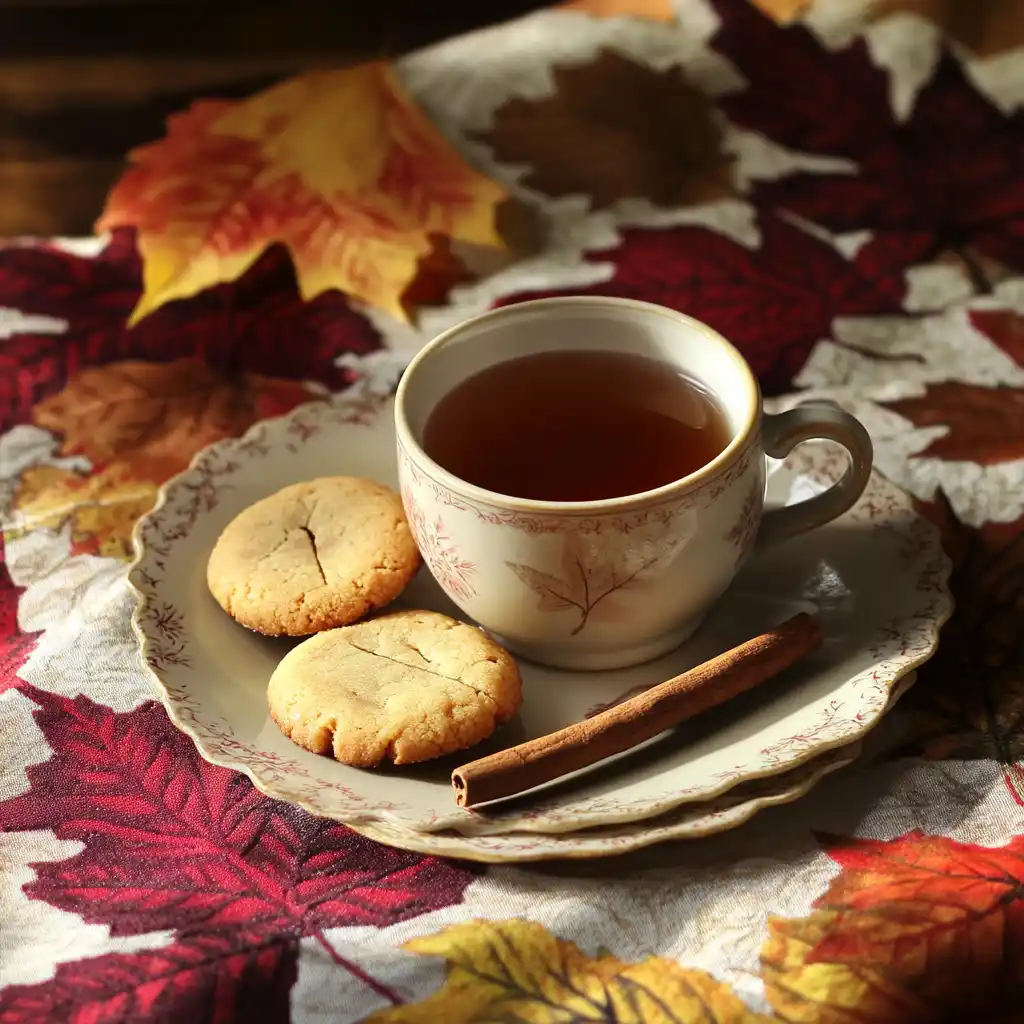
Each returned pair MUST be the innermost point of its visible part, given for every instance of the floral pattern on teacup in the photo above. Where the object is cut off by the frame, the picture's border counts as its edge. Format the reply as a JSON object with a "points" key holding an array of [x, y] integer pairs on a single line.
{"points": [[537, 523], [743, 531], [441, 553]]}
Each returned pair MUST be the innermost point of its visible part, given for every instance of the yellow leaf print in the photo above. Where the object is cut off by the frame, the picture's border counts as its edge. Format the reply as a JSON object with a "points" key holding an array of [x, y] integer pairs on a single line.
{"points": [[516, 971], [102, 509]]}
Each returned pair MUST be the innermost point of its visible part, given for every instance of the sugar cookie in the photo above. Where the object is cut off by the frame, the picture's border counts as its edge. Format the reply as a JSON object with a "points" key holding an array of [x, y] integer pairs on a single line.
{"points": [[404, 687], [313, 556]]}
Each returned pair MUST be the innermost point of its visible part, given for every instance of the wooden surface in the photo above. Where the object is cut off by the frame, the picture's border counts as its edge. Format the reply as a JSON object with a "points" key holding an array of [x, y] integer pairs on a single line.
{"points": [[81, 81]]}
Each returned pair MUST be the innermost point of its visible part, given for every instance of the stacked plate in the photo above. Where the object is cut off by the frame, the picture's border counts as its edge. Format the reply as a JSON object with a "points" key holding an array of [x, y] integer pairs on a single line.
{"points": [[875, 578]]}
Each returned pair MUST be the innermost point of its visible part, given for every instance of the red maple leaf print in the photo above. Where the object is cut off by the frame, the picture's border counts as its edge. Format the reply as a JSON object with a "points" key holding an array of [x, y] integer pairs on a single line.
{"points": [[257, 324], [216, 977], [774, 302], [172, 842], [948, 179], [15, 646]]}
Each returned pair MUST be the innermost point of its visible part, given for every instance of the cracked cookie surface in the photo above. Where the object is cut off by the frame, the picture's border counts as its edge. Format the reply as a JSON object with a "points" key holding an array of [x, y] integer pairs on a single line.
{"points": [[313, 556], [404, 687]]}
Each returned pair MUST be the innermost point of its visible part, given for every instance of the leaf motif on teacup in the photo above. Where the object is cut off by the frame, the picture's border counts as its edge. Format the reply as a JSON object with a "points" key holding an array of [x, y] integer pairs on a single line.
{"points": [[590, 573]]}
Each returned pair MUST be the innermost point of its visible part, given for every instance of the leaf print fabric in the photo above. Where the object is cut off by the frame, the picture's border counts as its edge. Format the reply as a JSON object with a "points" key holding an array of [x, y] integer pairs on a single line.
{"points": [[836, 189], [916, 928], [515, 970], [172, 843]]}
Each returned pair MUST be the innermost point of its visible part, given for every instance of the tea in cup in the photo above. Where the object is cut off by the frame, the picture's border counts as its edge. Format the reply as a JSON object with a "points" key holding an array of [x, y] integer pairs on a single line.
{"points": [[585, 475]]}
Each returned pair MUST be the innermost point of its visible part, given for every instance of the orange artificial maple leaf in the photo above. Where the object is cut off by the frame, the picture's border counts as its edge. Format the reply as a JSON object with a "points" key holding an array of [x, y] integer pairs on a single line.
{"points": [[653, 10], [615, 129], [918, 928], [339, 166], [138, 423]]}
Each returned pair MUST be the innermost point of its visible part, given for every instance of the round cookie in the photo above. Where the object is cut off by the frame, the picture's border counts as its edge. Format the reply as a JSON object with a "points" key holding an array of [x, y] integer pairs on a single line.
{"points": [[313, 556], [404, 687]]}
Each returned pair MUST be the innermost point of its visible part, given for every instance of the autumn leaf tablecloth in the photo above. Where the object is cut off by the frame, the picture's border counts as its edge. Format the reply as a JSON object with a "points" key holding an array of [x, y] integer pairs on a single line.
{"points": [[843, 197]]}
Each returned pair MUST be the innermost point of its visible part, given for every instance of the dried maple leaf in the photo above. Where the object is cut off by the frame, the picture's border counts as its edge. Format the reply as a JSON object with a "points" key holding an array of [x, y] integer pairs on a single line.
{"points": [[653, 10], [339, 166], [775, 302], [985, 27], [201, 978], [919, 928], [516, 970], [169, 841], [15, 646], [947, 179], [614, 129], [969, 698], [248, 325], [139, 423]]}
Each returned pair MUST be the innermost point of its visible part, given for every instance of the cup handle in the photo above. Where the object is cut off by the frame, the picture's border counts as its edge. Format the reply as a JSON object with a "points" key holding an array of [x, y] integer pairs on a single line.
{"points": [[805, 422]]}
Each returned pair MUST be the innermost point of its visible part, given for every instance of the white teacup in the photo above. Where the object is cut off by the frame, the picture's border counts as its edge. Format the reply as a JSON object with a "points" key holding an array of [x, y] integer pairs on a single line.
{"points": [[606, 584]]}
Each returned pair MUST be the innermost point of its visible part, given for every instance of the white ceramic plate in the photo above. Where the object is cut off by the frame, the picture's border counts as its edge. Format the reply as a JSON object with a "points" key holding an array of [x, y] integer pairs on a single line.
{"points": [[876, 578], [686, 822], [689, 821]]}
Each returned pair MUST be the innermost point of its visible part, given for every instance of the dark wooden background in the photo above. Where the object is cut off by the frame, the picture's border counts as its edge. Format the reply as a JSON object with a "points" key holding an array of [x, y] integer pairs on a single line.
{"points": [[82, 81]]}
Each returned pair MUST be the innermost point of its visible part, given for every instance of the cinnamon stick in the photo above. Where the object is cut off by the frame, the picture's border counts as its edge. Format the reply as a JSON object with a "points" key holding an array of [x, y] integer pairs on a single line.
{"points": [[630, 723]]}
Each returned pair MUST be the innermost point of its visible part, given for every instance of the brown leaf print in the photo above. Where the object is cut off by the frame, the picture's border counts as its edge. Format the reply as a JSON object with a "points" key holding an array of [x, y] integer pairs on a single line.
{"points": [[985, 425], [588, 577], [615, 129], [139, 423], [969, 700], [156, 416], [1002, 328]]}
